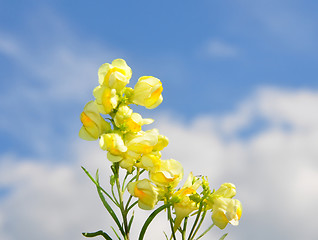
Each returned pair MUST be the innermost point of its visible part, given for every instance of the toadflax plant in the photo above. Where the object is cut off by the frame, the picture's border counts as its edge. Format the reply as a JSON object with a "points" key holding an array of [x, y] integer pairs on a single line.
{"points": [[138, 174]]}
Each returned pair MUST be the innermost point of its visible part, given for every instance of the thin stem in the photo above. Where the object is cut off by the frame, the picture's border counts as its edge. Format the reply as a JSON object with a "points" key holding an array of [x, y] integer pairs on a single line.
{"points": [[195, 222], [112, 189], [171, 223], [121, 204], [184, 230], [200, 223], [136, 177], [125, 178]]}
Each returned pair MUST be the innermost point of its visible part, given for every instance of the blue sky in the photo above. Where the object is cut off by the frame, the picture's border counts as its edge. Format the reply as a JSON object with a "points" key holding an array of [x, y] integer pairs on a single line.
{"points": [[239, 77]]}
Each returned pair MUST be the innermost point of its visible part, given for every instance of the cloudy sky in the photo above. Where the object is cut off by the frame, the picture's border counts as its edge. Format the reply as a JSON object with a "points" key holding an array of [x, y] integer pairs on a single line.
{"points": [[240, 105]]}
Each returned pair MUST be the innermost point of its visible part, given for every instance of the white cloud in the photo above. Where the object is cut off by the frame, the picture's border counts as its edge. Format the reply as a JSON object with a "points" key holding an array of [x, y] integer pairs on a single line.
{"points": [[275, 170], [48, 75], [220, 49]]}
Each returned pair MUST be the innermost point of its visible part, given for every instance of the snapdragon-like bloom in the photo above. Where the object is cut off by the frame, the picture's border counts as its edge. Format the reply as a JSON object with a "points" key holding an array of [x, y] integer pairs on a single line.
{"points": [[106, 99], [127, 120], [114, 144], [93, 123], [150, 162], [142, 142], [127, 163], [225, 209], [146, 193], [115, 75], [147, 92], [163, 141], [170, 173], [227, 190], [184, 206]]}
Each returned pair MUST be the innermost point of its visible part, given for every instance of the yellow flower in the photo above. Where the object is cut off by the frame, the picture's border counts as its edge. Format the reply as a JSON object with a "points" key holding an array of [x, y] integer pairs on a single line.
{"points": [[114, 144], [170, 173], [93, 123], [150, 162], [127, 163], [142, 142], [146, 192], [226, 190], [185, 205], [147, 92], [162, 143], [126, 119], [106, 99], [226, 210], [115, 75]]}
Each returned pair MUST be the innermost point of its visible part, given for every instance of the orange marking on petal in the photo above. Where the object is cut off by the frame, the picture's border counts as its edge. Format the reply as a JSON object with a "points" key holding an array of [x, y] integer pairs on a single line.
{"points": [[138, 193], [87, 122], [156, 94]]}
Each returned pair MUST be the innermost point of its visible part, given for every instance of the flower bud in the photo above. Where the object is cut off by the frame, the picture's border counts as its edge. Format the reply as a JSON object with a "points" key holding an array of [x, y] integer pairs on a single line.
{"points": [[128, 121]]}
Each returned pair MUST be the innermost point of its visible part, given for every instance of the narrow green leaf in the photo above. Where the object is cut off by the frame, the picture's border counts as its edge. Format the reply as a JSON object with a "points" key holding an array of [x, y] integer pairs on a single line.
{"points": [[98, 233], [110, 210], [150, 218], [132, 205], [130, 221], [222, 238], [205, 232], [115, 233], [102, 198], [97, 184]]}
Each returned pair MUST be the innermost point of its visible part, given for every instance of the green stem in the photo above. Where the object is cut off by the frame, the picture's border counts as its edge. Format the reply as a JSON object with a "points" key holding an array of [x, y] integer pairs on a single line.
{"points": [[184, 230], [195, 222], [121, 203], [127, 204], [199, 225], [171, 223]]}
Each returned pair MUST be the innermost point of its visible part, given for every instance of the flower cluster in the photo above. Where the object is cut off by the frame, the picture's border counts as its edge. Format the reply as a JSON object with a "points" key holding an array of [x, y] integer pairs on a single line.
{"points": [[136, 151]]}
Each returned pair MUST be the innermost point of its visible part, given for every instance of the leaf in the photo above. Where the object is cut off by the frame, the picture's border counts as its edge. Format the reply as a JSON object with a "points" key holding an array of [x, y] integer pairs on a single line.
{"points": [[150, 218], [98, 233], [105, 203], [130, 221], [223, 236]]}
